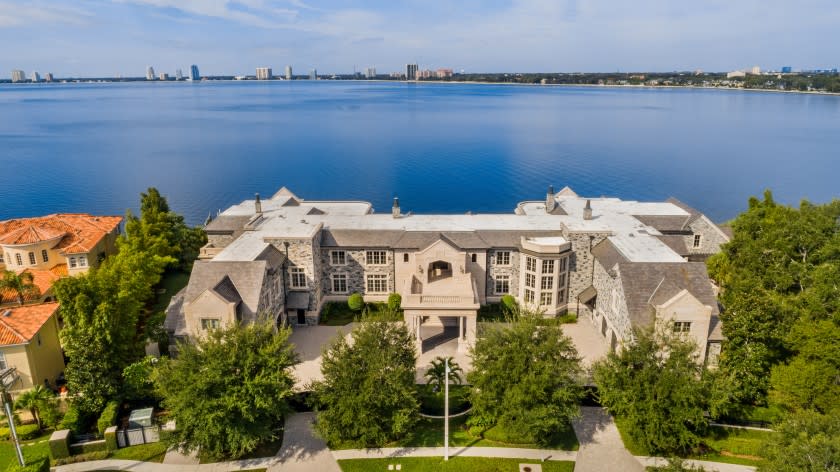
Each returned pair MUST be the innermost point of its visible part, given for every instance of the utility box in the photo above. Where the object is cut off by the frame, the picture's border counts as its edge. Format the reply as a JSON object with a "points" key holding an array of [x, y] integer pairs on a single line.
{"points": [[140, 418]]}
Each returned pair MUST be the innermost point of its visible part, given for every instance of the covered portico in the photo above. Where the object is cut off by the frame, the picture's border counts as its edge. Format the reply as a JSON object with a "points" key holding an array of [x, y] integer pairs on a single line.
{"points": [[441, 294]]}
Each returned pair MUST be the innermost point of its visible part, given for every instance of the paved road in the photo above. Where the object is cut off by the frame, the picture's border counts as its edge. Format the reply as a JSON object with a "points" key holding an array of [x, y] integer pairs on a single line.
{"points": [[601, 448]]}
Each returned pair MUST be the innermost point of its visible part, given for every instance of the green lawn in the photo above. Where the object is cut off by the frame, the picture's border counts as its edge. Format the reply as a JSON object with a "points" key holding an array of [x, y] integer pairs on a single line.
{"points": [[152, 452], [34, 449], [459, 464], [172, 282], [729, 445], [429, 433]]}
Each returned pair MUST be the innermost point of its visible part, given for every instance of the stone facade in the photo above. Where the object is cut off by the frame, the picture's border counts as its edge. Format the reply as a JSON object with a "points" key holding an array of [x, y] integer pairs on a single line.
{"points": [[611, 316], [305, 254], [494, 269], [711, 237], [356, 267], [581, 267]]}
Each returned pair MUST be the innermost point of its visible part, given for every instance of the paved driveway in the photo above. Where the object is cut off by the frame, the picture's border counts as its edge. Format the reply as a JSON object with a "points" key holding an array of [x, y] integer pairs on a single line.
{"points": [[310, 342], [601, 448], [301, 450]]}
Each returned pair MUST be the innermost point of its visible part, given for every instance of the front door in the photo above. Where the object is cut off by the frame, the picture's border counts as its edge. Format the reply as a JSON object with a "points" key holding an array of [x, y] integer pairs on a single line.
{"points": [[301, 315]]}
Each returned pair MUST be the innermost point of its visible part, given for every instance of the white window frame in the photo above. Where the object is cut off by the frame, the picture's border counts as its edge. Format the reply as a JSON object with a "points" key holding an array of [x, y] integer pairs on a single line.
{"points": [[548, 266], [3, 364], [564, 264], [547, 282], [72, 261], [530, 264], [338, 255], [32, 259], [561, 296], [82, 261], [376, 281], [682, 327], [2, 259], [503, 258], [698, 240], [210, 323], [529, 296], [546, 298], [339, 278], [376, 257], [18, 259], [502, 279], [45, 255], [530, 280], [295, 273], [561, 280]]}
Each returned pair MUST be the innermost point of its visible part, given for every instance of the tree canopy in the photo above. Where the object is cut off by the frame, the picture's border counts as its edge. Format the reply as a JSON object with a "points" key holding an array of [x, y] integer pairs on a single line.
{"points": [[526, 378], [368, 396], [23, 285], [806, 442], [655, 387], [228, 393], [779, 279]]}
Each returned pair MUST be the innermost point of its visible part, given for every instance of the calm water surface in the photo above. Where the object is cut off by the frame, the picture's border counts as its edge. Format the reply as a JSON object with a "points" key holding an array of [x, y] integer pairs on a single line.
{"points": [[440, 148]]}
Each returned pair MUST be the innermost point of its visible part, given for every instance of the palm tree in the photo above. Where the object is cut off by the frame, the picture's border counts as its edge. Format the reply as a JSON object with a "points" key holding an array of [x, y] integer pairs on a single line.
{"points": [[436, 375], [35, 400], [22, 284]]}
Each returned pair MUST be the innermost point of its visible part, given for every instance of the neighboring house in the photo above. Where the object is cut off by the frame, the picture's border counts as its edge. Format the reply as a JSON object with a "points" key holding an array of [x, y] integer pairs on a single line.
{"points": [[444, 266], [77, 241], [29, 344]]}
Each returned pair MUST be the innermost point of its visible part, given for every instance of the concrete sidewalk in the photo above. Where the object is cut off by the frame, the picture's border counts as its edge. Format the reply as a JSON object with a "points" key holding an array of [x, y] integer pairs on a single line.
{"points": [[462, 451], [708, 465]]}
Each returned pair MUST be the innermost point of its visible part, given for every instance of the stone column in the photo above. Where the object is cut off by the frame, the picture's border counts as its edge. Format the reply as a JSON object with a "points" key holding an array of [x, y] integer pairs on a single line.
{"points": [[461, 340]]}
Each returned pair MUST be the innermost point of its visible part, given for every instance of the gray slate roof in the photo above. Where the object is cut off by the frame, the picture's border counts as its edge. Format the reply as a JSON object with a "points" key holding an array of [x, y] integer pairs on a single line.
{"points": [[666, 223], [227, 290], [676, 242], [359, 237], [227, 224], [607, 254], [246, 278], [648, 283]]}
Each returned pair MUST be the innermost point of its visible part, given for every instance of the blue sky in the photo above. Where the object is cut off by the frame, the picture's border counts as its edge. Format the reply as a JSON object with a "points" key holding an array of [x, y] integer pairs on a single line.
{"points": [[110, 37]]}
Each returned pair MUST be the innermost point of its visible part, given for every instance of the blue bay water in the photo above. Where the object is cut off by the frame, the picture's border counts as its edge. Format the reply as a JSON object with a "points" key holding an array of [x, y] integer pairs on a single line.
{"points": [[446, 148]]}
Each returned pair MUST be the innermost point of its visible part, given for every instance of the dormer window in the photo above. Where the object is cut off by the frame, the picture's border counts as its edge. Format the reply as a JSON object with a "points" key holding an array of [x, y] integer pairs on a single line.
{"points": [[697, 240], [82, 261], [72, 262]]}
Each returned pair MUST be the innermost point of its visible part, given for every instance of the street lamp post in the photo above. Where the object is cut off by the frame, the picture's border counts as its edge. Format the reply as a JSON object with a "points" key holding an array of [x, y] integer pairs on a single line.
{"points": [[7, 404], [446, 413]]}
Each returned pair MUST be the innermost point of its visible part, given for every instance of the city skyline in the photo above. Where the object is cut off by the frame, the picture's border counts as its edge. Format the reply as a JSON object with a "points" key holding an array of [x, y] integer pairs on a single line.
{"points": [[228, 37]]}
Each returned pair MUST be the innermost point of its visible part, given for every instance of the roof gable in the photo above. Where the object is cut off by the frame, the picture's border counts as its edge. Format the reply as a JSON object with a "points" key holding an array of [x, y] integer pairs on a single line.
{"points": [[20, 324], [284, 192]]}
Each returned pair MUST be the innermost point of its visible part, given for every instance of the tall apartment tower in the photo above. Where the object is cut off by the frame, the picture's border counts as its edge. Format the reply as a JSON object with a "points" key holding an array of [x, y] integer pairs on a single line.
{"points": [[194, 75], [264, 73], [178, 74], [36, 77], [18, 76], [48, 77], [313, 74], [150, 73], [288, 72], [410, 71], [370, 73]]}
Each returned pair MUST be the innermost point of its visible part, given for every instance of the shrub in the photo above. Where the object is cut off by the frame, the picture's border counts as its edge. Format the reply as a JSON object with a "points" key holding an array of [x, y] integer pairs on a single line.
{"points": [[356, 302], [108, 416], [28, 431], [86, 448], [394, 301], [60, 444], [4, 434], [90, 456], [509, 304], [73, 420], [41, 464]]}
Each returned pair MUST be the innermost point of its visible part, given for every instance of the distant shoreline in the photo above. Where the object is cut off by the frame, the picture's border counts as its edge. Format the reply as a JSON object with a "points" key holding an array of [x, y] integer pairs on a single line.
{"points": [[441, 82]]}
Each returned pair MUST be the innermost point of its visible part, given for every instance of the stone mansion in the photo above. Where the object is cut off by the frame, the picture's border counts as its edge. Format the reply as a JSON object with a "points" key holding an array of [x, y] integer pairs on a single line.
{"points": [[615, 263]]}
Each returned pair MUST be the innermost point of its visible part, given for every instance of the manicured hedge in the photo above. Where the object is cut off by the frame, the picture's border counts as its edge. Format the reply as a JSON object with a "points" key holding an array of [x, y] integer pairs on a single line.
{"points": [[73, 420], [85, 448], [90, 456], [394, 301], [60, 444], [356, 302], [41, 464], [24, 432], [108, 417]]}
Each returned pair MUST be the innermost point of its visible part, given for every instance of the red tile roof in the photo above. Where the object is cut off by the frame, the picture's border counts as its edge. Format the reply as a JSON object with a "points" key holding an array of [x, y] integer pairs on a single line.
{"points": [[82, 232], [43, 279], [19, 325]]}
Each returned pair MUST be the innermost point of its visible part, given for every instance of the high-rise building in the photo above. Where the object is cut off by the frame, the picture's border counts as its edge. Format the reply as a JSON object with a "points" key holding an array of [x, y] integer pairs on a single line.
{"points": [[444, 73], [48, 77], [288, 72], [263, 73], [313, 74], [194, 75], [410, 71], [35, 77], [370, 73], [164, 76], [755, 70], [18, 76], [150, 73], [787, 69], [178, 74]]}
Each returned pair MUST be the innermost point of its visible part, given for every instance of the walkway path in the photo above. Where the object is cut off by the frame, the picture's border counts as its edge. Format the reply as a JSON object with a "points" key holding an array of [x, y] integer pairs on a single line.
{"points": [[601, 448]]}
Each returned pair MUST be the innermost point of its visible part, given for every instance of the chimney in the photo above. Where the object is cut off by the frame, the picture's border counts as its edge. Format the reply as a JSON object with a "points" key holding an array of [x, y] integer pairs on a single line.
{"points": [[257, 204], [395, 210], [587, 210], [550, 203]]}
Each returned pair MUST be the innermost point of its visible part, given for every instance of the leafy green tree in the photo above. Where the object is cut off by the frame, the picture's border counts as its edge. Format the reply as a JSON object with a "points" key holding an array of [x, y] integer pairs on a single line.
{"points": [[655, 387], [23, 285], [675, 464], [806, 442], [436, 375], [778, 277], [228, 392], [368, 396], [37, 401], [137, 379], [526, 378], [394, 301]]}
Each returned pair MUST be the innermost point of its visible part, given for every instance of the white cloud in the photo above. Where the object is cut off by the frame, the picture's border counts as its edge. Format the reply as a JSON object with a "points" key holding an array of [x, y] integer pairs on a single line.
{"points": [[16, 15]]}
